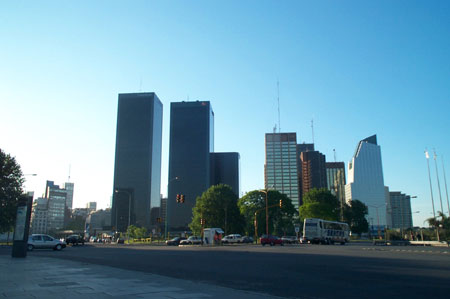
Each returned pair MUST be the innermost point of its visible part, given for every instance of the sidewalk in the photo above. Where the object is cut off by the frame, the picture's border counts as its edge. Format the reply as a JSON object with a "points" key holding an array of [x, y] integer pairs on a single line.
{"points": [[43, 277]]}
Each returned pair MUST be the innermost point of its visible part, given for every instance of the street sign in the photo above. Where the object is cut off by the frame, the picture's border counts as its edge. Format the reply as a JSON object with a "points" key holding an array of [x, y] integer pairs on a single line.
{"points": [[297, 229]]}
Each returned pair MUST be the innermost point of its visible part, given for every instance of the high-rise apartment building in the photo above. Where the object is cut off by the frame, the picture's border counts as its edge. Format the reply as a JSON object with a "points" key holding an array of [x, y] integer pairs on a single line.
{"points": [[365, 181], [225, 170], [280, 169], [399, 211], [191, 142], [137, 169], [39, 216], [91, 206]]}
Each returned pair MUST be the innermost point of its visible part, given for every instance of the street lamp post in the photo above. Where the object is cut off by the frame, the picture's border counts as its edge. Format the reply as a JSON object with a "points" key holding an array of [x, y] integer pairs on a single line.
{"points": [[129, 209], [427, 156]]}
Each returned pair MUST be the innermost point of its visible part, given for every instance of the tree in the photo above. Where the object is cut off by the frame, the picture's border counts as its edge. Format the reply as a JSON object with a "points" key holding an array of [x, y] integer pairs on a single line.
{"points": [[443, 224], [280, 219], [135, 232], [355, 215], [218, 207], [11, 189], [320, 203]]}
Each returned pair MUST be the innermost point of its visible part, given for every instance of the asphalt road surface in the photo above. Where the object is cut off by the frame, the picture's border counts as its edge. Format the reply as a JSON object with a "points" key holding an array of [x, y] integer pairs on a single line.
{"points": [[302, 271]]}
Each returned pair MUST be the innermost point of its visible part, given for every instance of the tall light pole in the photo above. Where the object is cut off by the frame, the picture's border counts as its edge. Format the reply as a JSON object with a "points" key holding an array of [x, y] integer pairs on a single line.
{"points": [[437, 177], [445, 181], [427, 156], [129, 209]]}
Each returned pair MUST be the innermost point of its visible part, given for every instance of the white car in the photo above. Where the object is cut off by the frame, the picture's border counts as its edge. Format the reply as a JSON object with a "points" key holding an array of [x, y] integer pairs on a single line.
{"points": [[192, 240], [44, 241], [233, 238]]}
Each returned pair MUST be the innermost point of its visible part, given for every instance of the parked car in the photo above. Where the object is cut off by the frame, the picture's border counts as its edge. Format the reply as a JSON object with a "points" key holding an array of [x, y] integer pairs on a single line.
{"points": [[75, 240], [246, 239], [38, 241], [233, 238], [271, 240], [289, 240], [175, 241], [192, 240]]}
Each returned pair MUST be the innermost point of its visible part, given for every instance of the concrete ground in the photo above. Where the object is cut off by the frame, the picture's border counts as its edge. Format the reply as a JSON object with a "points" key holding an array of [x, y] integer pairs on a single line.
{"points": [[43, 277]]}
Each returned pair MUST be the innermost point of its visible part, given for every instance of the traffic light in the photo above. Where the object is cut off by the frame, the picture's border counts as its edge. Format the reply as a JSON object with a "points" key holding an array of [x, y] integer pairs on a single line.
{"points": [[281, 203], [182, 198], [178, 197], [202, 221]]}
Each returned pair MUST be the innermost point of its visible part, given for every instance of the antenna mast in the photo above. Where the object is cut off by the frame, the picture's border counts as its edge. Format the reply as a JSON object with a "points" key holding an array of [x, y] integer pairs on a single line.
{"points": [[68, 179], [312, 129], [334, 152], [278, 96]]}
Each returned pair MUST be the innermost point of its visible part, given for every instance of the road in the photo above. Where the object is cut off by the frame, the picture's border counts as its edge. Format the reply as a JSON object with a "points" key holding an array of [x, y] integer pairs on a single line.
{"points": [[303, 271]]}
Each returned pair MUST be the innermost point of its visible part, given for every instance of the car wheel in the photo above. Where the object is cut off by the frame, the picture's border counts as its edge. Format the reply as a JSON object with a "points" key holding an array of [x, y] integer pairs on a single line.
{"points": [[30, 247], [271, 244], [58, 247], [263, 244], [281, 244]]}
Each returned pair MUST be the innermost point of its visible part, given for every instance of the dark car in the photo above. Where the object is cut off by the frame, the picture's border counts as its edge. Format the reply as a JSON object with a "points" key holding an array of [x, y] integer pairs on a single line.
{"points": [[246, 239], [75, 240], [271, 240], [175, 241]]}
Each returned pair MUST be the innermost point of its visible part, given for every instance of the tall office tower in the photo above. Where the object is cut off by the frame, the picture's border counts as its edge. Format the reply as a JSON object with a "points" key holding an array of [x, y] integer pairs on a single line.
{"points": [[280, 169], [69, 200], [137, 169], [56, 206], [399, 211], [365, 181], [225, 170], [191, 142], [313, 172], [336, 179]]}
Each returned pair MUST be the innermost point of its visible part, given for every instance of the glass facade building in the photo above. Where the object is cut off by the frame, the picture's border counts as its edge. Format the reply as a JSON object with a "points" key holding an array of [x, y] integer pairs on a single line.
{"points": [[191, 142], [365, 181], [399, 211], [336, 179], [137, 168], [280, 169], [225, 170]]}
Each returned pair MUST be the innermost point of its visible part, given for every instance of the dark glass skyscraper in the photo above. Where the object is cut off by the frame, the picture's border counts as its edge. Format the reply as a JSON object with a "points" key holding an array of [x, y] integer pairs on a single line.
{"points": [[191, 142], [225, 170], [137, 170]]}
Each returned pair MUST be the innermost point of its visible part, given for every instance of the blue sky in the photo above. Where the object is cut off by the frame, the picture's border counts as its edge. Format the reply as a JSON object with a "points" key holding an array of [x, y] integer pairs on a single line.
{"points": [[356, 68]]}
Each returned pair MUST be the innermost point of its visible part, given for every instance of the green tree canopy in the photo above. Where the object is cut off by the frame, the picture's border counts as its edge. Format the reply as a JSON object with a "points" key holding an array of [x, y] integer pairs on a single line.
{"points": [[11, 188], [218, 207], [355, 215], [280, 219], [320, 203]]}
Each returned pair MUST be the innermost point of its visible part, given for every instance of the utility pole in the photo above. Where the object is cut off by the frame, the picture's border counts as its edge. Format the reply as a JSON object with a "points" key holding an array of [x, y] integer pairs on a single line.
{"points": [[439, 185]]}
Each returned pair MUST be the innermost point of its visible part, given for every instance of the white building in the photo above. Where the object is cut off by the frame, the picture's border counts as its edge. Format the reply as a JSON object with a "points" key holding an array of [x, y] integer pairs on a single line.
{"points": [[366, 183]]}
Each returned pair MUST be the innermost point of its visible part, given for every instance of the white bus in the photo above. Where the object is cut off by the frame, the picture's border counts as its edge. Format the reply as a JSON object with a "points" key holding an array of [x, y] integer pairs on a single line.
{"points": [[317, 231]]}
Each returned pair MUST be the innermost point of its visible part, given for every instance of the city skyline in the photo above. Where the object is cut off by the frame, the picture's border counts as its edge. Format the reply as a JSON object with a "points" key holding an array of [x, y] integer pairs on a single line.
{"points": [[357, 69]]}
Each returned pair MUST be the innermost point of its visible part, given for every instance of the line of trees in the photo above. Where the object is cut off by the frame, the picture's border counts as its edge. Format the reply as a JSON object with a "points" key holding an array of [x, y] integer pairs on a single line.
{"points": [[220, 207]]}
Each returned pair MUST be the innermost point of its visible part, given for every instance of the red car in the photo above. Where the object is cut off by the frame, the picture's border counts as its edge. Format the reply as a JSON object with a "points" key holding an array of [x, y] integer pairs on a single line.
{"points": [[271, 240]]}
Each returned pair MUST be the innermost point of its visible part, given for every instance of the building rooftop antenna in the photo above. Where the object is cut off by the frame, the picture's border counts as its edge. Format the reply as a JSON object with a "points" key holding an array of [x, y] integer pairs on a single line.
{"points": [[312, 129], [278, 97], [68, 179], [334, 152]]}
